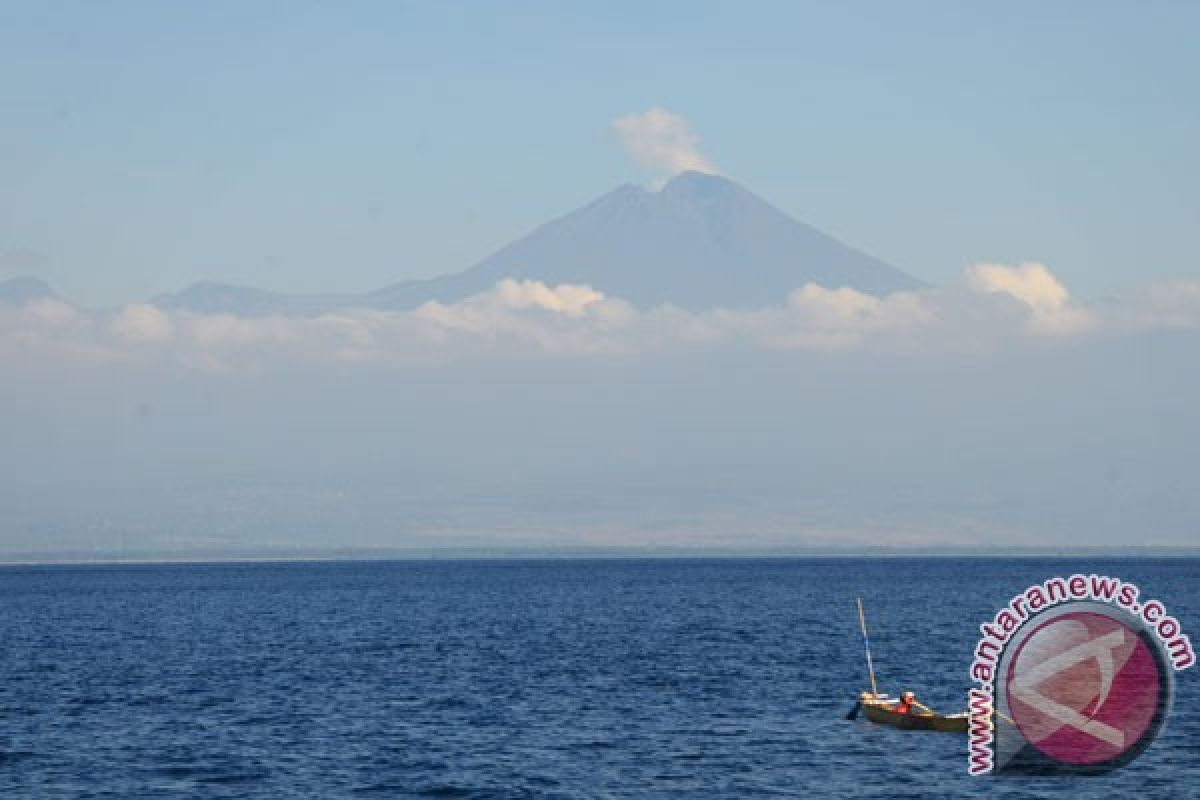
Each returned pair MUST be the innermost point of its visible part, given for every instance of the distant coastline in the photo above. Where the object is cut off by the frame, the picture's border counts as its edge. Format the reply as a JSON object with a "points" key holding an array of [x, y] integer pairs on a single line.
{"points": [[265, 556]]}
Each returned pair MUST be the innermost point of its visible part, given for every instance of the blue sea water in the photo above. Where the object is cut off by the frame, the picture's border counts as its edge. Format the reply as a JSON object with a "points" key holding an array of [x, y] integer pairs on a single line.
{"points": [[512, 679]]}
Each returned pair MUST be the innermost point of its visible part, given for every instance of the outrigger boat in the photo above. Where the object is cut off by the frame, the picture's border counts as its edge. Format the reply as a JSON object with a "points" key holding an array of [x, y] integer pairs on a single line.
{"points": [[880, 708]]}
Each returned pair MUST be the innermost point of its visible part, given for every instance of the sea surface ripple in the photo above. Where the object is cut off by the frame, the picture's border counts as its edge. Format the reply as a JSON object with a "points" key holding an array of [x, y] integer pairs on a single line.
{"points": [[520, 679]]}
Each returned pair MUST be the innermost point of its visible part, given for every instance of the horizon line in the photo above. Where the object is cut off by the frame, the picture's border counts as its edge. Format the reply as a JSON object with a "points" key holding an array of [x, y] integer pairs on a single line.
{"points": [[493, 554]]}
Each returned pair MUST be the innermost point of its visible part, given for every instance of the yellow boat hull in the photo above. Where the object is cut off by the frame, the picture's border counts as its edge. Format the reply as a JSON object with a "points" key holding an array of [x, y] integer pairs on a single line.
{"points": [[916, 720]]}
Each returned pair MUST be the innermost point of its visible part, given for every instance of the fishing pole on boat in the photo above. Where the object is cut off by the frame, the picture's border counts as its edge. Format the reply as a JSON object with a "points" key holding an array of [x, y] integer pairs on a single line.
{"points": [[862, 624]]}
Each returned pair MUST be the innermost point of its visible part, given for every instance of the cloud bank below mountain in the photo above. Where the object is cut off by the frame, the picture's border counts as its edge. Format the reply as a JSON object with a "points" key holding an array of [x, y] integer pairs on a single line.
{"points": [[995, 307]]}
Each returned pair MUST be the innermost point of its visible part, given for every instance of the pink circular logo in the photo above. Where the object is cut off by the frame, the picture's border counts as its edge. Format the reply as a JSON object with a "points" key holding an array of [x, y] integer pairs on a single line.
{"points": [[1086, 689]]}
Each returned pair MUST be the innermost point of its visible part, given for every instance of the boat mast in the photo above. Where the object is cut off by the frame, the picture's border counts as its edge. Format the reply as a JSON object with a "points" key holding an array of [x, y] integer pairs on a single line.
{"points": [[862, 623]]}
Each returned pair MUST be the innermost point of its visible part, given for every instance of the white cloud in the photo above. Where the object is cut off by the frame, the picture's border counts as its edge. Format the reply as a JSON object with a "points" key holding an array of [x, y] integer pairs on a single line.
{"points": [[572, 300], [817, 318], [51, 312], [46, 330], [228, 331], [661, 142], [1000, 307], [1032, 284], [142, 322], [527, 315], [848, 309]]}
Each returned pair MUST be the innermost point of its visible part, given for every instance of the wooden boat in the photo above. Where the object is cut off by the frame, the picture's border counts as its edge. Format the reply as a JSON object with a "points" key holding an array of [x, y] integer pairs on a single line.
{"points": [[880, 711], [878, 707]]}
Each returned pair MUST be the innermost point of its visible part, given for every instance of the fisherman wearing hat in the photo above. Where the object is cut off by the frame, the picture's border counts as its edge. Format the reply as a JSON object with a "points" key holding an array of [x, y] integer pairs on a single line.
{"points": [[907, 701]]}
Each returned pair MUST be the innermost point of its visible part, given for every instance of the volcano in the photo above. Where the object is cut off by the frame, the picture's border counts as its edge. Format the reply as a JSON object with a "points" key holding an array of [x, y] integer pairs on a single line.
{"points": [[700, 242]]}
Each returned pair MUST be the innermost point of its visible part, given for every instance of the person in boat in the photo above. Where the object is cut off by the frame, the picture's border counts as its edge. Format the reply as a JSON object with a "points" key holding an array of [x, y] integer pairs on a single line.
{"points": [[907, 701]]}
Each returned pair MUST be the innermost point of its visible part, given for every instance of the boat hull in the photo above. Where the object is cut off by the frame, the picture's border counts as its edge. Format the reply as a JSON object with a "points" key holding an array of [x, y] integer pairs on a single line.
{"points": [[915, 721]]}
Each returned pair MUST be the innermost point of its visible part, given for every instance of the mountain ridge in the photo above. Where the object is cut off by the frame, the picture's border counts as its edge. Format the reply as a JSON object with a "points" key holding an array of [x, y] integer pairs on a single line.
{"points": [[700, 242]]}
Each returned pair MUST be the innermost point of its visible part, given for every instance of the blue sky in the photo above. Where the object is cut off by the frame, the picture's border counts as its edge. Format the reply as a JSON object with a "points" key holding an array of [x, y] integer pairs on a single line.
{"points": [[345, 146], [1035, 161]]}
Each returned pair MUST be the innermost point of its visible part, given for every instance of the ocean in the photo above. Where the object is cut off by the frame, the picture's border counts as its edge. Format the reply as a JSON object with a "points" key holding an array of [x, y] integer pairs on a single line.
{"points": [[724, 678]]}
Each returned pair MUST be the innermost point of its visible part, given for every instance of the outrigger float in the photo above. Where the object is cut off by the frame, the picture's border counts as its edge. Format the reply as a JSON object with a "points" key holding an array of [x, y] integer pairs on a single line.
{"points": [[880, 708]]}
